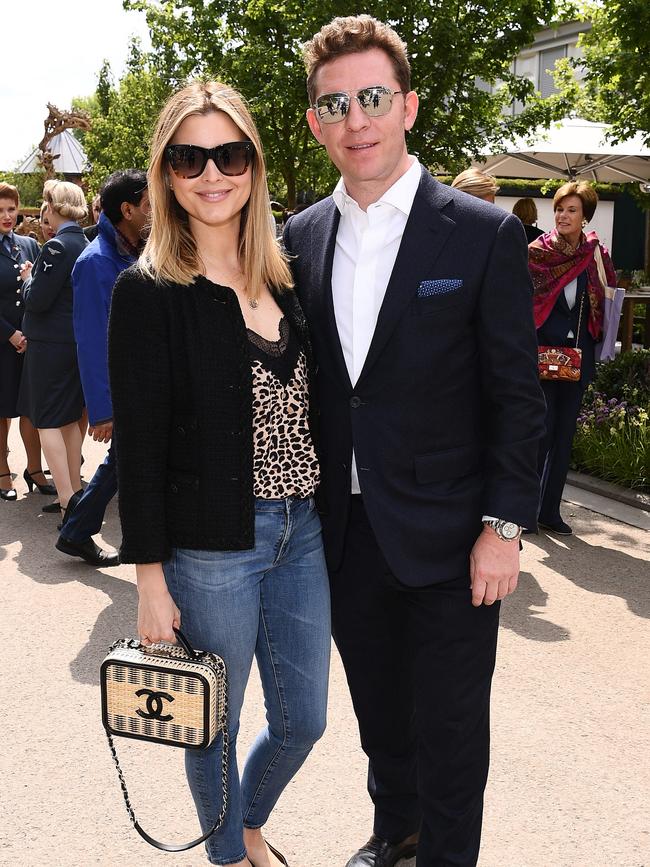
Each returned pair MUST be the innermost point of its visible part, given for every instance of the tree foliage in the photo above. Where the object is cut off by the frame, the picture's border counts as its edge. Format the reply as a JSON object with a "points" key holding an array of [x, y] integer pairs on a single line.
{"points": [[255, 45], [30, 187], [616, 63], [123, 117]]}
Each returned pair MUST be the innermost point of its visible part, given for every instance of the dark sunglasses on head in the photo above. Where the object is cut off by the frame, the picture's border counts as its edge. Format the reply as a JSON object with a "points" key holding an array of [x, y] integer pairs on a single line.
{"points": [[189, 161], [375, 101]]}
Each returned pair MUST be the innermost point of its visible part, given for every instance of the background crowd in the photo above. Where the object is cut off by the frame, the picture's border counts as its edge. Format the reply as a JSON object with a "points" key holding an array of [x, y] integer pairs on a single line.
{"points": [[41, 331]]}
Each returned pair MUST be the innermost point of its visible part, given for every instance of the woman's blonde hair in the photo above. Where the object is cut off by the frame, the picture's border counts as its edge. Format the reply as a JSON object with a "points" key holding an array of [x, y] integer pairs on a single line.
{"points": [[171, 254], [476, 183], [65, 199]]}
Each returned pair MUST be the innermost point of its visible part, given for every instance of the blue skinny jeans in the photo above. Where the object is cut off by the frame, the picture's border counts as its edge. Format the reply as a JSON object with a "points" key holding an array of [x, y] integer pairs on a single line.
{"points": [[271, 602]]}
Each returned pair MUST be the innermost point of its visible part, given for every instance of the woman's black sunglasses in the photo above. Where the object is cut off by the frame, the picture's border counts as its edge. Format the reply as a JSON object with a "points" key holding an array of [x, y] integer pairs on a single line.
{"points": [[189, 161]]}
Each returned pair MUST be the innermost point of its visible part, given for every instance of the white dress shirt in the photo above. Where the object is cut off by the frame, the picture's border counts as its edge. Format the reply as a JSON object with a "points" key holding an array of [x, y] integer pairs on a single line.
{"points": [[367, 243]]}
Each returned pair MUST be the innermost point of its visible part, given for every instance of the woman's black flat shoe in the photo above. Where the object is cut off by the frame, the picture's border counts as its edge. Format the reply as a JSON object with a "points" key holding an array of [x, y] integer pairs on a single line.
{"points": [[72, 504], [8, 494], [52, 508], [47, 489], [277, 854]]}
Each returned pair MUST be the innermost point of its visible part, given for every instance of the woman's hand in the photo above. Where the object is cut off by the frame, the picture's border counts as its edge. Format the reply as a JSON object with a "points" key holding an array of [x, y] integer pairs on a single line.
{"points": [[18, 341], [26, 270], [157, 611]]}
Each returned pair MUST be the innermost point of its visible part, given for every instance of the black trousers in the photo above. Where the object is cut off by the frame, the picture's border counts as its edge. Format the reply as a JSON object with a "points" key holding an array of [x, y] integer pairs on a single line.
{"points": [[563, 400], [419, 664]]}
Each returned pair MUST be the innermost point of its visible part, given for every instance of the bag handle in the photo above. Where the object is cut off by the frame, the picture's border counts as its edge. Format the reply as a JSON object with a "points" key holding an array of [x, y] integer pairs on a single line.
{"points": [[187, 647], [183, 847]]}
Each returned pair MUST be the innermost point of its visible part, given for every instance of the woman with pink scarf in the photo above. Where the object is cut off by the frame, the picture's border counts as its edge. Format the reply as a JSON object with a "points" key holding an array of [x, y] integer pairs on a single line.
{"points": [[568, 305]]}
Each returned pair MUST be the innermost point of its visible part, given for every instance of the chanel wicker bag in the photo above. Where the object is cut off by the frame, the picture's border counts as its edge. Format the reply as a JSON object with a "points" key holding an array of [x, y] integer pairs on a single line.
{"points": [[169, 694], [562, 363]]}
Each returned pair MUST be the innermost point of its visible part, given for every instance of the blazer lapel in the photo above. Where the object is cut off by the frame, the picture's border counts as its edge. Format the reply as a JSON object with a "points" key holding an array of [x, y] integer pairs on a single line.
{"points": [[425, 235], [323, 245]]}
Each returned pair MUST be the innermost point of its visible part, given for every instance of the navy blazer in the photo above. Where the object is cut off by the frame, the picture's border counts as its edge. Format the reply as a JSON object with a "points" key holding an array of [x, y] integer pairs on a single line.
{"points": [[447, 414], [12, 304], [48, 293]]}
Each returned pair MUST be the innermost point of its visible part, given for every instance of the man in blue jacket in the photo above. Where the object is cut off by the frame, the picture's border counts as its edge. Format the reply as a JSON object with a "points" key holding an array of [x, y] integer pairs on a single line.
{"points": [[121, 227]]}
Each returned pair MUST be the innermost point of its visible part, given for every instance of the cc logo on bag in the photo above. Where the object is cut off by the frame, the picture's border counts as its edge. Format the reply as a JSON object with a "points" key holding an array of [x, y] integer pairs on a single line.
{"points": [[154, 705]]}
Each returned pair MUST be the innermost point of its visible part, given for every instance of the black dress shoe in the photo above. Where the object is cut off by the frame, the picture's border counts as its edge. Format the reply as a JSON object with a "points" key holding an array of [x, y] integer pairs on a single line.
{"points": [[381, 853], [88, 551], [52, 508], [560, 528]]}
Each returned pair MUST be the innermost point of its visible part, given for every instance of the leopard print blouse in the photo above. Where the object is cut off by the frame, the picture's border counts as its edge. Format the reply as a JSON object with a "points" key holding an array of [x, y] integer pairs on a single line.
{"points": [[284, 457]]}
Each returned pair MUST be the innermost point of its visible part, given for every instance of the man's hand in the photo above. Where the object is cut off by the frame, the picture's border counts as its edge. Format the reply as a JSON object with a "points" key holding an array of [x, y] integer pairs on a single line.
{"points": [[493, 568], [101, 433]]}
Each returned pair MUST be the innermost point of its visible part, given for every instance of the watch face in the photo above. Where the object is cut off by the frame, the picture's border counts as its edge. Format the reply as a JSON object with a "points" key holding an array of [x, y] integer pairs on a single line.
{"points": [[510, 530]]}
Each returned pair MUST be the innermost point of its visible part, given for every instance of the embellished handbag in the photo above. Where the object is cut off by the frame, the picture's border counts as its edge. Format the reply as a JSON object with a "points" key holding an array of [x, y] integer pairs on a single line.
{"points": [[561, 363], [168, 694]]}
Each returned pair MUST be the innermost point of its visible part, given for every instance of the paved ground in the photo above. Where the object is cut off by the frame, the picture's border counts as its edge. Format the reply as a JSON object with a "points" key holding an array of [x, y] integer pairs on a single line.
{"points": [[570, 763]]}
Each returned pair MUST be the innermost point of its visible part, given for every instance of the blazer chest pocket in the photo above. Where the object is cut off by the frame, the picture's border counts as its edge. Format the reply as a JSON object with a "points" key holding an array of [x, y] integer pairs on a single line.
{"points": [[446, 465], [431, 299]]}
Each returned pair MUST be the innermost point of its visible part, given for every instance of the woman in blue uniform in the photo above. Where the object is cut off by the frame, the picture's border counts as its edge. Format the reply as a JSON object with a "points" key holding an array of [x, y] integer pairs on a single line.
{"points": [[15, 252]]}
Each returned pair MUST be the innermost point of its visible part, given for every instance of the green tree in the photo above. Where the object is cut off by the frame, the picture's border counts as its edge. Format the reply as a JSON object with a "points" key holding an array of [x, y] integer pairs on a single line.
{"points": [[30, 187], [255, 45], [616, 63], [123, 118]]}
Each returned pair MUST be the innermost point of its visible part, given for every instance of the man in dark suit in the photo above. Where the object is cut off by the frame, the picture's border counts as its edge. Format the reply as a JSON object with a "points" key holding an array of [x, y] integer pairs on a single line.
{"points": [[419, 304]]}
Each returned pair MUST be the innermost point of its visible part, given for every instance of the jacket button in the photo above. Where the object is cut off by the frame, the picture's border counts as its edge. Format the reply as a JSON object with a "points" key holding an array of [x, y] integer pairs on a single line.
{"points": [[355, 402], [17, 303], [181, 430], [174, 489]]}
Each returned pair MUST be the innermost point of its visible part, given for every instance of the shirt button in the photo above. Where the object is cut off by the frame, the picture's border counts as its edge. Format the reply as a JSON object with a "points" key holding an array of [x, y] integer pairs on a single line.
{"points": [[355, 402]]}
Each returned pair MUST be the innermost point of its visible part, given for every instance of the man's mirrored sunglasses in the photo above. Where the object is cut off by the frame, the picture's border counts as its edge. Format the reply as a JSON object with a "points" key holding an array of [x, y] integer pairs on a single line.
{"points": [[189, 161], [375, 101]]}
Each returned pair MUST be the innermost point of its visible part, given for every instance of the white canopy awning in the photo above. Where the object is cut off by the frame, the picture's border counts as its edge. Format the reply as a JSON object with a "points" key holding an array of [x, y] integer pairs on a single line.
{"points": [[71, 158], [573, 149]]}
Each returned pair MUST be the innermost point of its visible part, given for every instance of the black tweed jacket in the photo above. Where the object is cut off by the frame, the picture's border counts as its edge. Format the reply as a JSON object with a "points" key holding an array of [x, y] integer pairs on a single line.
{"points": [[181, 386]]}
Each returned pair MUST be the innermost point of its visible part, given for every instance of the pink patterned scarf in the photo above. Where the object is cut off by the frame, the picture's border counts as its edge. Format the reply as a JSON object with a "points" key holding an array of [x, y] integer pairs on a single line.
{"points": [[554, 263]]}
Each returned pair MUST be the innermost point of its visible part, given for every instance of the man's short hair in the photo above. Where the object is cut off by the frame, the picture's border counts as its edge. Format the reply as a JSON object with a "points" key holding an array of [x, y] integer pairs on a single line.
{"points": [[350, 35], [126, 185]]}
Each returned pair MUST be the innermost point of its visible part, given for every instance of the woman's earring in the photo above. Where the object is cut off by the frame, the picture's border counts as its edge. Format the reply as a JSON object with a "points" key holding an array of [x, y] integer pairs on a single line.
{"points": [[584, 223]]}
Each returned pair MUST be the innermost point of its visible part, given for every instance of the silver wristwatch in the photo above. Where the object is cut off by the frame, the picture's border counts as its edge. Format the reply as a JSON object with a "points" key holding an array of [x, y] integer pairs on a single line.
{"points": [[507, 531]]}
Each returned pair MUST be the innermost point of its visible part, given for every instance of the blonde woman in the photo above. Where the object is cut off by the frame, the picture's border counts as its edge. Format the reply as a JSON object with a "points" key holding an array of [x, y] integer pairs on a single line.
{"points": [[210, 365], [476, 183], [50, 389]]}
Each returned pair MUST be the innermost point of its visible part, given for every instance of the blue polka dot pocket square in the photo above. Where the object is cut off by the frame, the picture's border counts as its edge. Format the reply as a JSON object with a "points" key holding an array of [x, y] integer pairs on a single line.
{"points": [[429, 288]]}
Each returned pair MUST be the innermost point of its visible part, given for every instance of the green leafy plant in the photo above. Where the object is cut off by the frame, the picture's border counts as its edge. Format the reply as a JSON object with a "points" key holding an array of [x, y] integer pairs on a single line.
{"points": [[626, 378], [612, 440]]}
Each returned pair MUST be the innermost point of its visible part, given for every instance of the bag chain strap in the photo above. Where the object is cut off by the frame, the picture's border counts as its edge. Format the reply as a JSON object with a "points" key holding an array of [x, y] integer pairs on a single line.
{"points": [[582, 302], [223, 727]]}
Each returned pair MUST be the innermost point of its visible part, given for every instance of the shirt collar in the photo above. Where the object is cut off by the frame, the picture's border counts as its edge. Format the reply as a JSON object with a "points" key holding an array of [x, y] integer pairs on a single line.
{"points": [[399, 196], [66, 225]]}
